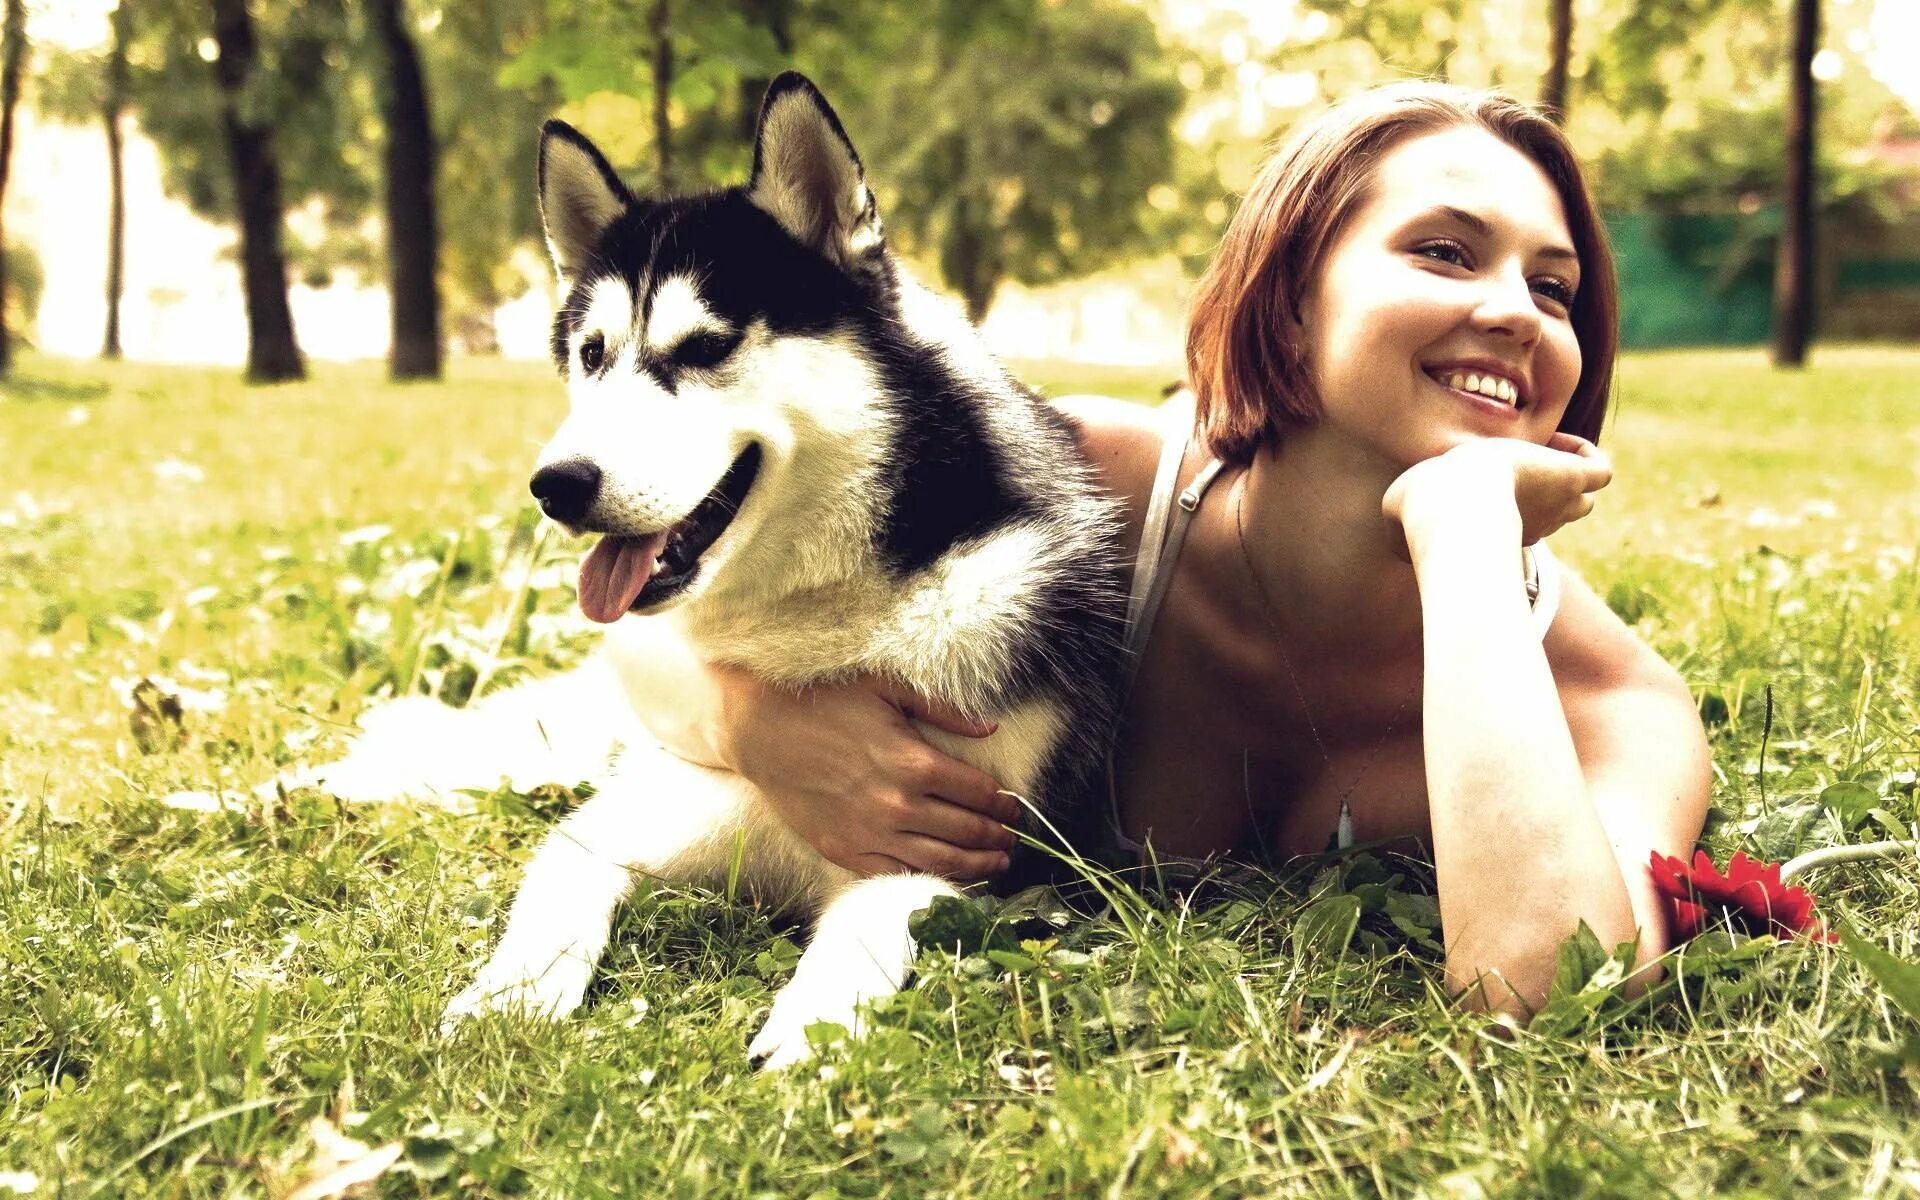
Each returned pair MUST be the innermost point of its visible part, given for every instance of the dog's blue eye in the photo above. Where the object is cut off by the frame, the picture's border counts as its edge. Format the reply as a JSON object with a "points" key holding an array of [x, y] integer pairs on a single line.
{"points": [[593, 352], [706, 349]]}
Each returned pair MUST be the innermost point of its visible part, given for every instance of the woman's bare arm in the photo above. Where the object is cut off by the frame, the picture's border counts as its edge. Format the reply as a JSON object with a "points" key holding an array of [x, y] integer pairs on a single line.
{"points": [[1535, 830]]}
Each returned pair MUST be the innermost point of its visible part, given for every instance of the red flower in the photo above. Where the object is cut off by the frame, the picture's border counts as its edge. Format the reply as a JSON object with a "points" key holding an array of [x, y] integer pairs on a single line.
{"points": [[1750, 893]]}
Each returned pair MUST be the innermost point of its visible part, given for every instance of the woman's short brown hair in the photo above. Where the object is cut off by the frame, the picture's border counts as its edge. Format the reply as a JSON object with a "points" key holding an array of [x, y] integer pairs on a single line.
{"points": [[1248, 371]]}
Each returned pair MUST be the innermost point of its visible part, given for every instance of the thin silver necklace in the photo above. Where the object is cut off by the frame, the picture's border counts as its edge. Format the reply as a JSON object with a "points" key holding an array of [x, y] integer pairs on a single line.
{"points": [[1344, 834]]}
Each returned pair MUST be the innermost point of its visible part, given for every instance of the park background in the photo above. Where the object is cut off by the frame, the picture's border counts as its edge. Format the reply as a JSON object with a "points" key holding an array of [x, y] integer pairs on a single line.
{"points": [[1064, 167], [219, 547]]}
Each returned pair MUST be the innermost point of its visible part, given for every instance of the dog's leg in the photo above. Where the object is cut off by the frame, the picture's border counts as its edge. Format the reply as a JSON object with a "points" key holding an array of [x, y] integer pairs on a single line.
{"points": [[658, 816], [860, 950], [557, 729]]}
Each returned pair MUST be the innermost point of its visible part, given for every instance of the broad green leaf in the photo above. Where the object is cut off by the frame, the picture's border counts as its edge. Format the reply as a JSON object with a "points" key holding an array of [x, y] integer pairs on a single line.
{"points": [[1012, 960], [951, 923], [1327, 925], [1372, 897], [1407, 908], [1851, 801], [1567, 1014], [1039, 903], [1782, 833], [1578, 958], [1897, 977], [1890, 823]]}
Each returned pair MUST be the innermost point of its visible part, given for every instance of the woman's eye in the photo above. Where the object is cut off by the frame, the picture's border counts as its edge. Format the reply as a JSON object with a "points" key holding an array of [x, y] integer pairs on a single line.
{"points": [[1557, 290], [1445, 251], [593, 352], [705, 350]]}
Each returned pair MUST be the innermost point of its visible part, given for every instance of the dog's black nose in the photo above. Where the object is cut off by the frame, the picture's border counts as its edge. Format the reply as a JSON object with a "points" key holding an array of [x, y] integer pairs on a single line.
{"points": [[566, 490]]}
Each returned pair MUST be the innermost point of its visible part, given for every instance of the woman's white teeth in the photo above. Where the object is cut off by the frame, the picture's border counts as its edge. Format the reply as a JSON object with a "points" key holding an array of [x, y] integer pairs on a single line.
{"points": [[1491, 386]]}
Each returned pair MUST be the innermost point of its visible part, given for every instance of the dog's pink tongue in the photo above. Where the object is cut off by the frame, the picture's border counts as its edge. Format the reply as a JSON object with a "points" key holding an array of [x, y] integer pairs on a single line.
{"points": [[614, 572]]}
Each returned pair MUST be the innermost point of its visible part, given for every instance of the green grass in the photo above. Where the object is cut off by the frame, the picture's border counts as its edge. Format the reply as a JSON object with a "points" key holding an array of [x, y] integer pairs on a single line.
{"points": [[183, 994]]}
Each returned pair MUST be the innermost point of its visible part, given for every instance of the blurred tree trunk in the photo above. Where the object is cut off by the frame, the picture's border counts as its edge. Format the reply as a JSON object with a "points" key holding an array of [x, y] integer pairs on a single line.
{"points": [[661, 27], [1793, 270], [13, 50], [113, 106], [413, 241], [1553, 89], [272, 353], [968, 261], [776, 17]]}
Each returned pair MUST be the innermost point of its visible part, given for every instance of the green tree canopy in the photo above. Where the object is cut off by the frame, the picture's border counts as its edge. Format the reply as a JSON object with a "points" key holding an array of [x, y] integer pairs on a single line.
{"points": [[310, 87], [1007, 139]]}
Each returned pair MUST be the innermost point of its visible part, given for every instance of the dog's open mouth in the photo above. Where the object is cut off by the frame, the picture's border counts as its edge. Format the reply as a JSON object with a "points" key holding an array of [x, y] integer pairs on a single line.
{"points": [[625, 573]]}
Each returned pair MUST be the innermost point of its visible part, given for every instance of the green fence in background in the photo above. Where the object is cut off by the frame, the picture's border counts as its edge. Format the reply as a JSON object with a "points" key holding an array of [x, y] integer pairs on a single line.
{"points": [[1707, 279], [1692, 280]]}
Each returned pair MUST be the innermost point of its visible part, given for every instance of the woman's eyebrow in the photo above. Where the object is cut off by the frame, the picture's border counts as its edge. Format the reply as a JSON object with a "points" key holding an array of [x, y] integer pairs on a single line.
{"points": [[1480, 226]]}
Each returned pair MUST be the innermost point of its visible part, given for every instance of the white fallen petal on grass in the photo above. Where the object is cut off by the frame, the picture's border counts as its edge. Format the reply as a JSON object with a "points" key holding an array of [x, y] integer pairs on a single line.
{"points": [[23, 1183], [174, 470], [200, 595], [206, 802], [200, 700], [365, 534], [198, 674], [341, 1165]]}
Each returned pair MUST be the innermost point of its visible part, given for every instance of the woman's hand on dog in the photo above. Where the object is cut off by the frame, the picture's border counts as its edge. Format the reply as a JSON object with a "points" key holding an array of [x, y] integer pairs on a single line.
{"points": [[844, 767]]}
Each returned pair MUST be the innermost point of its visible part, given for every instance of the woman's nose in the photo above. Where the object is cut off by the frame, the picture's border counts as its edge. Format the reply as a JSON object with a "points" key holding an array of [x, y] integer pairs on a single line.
{"points": [[1507, 305]]}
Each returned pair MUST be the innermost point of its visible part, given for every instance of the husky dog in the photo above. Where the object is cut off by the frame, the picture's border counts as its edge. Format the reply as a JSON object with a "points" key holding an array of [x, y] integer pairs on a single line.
{"points": [[800, 463]]}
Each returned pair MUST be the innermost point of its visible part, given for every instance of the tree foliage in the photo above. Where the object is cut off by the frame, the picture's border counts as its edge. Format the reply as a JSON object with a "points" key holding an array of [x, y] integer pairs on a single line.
{"points": [[1026, 153], [487, 136], [1007, 139], [306, 87]]}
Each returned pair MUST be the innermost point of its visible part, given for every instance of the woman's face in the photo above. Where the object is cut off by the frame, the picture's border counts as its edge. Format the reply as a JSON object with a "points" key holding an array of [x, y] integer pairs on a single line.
{"points": [[1441, 311]]}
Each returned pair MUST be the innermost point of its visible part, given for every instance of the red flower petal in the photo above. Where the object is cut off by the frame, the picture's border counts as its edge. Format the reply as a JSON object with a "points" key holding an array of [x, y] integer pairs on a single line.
{"points": [[1688, 919], [1750, 894], [1670, 877]]}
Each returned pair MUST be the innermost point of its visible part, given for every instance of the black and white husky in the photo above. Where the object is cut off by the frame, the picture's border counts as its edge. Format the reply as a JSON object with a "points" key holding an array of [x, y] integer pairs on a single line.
{"points": [[800, 463]]}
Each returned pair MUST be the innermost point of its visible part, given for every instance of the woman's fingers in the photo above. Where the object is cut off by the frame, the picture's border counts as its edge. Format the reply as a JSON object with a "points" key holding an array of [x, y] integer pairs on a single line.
{"points": [[936, 713], [1597, 464], [964, 830], [970, 788], [936, 857], [875, 863]]}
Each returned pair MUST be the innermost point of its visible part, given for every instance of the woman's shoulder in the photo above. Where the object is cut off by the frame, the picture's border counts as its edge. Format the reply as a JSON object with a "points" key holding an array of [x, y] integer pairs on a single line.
{"points": [[1123, 439]]}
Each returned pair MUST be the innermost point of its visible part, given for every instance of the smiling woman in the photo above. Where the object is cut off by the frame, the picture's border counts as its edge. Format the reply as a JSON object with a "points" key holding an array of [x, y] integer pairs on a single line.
{"points": [[1344, 622]]}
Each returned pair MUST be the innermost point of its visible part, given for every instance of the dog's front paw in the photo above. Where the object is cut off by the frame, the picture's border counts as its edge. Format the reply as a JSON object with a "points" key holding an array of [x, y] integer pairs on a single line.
{"points": [[378, 775], [782, 1041], [547, 989]]}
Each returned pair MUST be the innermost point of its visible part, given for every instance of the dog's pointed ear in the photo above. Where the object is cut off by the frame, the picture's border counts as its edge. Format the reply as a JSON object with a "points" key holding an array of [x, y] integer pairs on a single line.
{"points": [[579, 196], [807, 175]]}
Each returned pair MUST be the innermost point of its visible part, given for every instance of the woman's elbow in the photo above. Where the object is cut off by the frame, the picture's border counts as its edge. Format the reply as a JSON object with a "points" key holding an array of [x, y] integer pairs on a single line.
{"points": [[1516, 978]]}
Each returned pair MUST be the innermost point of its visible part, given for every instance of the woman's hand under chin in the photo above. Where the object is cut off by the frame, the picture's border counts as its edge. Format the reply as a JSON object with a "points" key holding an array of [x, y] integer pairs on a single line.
{"points": [[1490, 485]]}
